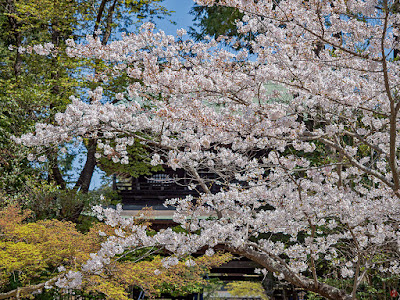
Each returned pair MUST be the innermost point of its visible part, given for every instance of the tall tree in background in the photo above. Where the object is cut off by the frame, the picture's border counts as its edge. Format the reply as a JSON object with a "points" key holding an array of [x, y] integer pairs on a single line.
{"points": [[29, 91], [113, 15], [33, 88], [215, 21]]}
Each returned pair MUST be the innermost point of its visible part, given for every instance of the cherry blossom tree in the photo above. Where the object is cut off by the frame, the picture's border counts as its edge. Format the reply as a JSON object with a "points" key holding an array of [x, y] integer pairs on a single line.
{"points": [[309, 187]]}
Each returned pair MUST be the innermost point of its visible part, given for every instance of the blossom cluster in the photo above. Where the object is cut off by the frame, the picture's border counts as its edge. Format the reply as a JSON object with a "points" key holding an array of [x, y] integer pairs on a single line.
{"points": [[319, 167]]}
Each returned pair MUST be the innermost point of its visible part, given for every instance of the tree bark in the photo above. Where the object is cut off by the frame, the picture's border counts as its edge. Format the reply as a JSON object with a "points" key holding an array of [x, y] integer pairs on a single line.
{"points": [[98, 17], [300, 281], [56, 173], [17, 35], [86, 175], [27, 290], [107, 32]]}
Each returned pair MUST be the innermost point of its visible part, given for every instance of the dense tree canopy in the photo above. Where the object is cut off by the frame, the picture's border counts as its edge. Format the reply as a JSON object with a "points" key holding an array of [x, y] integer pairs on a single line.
{"points": [[219, 22], [214, 21], [29, 91], [309, 188], [34, 88]]}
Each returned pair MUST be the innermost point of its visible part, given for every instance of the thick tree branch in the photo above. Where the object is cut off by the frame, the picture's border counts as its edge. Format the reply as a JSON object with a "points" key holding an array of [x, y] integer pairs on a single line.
{"points": [[99, 16], [203, 186], [28, 290], [87, 173], [301, 281], [107, 32], [55, 171], [393, 111]]}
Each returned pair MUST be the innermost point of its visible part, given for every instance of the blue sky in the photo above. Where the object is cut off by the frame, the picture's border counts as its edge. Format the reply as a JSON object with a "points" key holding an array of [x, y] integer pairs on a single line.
{"points": [[181, 16], [183, 20]]}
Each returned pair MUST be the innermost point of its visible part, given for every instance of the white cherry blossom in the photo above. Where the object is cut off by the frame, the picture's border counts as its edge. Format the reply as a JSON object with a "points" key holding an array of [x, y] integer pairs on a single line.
{"points": [[320, 167]]}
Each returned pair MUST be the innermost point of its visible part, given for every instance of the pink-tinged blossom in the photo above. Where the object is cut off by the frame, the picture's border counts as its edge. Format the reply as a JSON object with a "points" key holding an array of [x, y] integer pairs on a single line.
{"points": [[157, 272], [319, 166]]}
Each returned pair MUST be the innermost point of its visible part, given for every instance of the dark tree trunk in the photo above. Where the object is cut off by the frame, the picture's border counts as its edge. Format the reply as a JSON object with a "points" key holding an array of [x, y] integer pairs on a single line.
{"points": [[10, 8], [396, 10], [55, 171], [56, 175], [85, 177]]}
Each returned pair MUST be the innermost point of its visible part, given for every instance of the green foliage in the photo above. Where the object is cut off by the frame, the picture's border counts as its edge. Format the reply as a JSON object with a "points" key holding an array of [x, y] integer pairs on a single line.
{"points": [[246, 289], [15, 256], [127, 14], [314, 296], [47, 201], [33, 88], [215, 21], [212, 287], [139, 163], [30, 252], [177, 280]]}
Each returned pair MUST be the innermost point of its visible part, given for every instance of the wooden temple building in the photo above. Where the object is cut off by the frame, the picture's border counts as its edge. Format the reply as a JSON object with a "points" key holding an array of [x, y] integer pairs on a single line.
{"points": [[153, 190]]}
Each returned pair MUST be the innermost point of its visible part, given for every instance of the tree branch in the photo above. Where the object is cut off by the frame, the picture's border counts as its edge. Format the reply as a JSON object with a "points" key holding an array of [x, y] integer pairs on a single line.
{"points": [[355, 163], [393, 111], [99, 16], [21, 291], [107, 32], [298, 280]]}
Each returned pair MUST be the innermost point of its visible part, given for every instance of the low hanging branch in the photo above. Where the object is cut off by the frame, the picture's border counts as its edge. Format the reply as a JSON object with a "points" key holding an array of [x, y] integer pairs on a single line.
{"points": [[22, 292]]}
